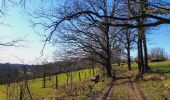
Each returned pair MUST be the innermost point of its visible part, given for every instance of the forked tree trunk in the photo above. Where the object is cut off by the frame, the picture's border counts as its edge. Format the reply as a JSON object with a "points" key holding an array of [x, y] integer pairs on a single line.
{"points": [[140, 52]]}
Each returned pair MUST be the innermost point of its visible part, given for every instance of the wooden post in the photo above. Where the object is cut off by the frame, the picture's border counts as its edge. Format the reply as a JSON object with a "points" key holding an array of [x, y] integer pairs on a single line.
{"points": [[52, 80], [56, 81], [79, 77], [89, 72], [85, 74], [44, 80], [71, 81], [67, 77]]}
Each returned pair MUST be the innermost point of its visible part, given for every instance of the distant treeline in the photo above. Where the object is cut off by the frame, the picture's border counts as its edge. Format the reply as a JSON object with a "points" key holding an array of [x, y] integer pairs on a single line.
{"points": [[17, 72]]}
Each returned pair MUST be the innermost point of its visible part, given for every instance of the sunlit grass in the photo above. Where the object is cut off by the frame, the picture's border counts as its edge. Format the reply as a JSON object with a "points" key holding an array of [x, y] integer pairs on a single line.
{"points": [[36, 84], [160, 67], [155, 89], [154, 85]]}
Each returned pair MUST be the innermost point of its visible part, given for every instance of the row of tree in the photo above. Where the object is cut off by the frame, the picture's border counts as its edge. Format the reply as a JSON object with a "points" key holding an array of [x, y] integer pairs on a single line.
{"points": [[99, 30]]}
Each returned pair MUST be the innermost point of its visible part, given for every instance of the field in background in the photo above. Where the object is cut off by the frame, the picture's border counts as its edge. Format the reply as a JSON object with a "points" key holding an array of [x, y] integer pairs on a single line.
{"points": [[36, 84]]}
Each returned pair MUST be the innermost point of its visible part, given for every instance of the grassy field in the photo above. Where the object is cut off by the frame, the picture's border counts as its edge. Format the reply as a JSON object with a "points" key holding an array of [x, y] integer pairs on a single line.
{"points": [[36, 85], [156, 85], [153, 86]]}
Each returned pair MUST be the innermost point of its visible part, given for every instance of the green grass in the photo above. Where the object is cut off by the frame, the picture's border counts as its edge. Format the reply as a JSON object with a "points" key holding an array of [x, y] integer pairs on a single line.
{"points": [[36, 85], [2, 95], [153, 88], [160, 67], [151, 85], [95, 91]]}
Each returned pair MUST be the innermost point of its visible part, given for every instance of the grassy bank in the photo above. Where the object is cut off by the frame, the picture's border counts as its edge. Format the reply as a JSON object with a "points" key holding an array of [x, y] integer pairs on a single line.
{"points": [[156, 85], [153, 86]]}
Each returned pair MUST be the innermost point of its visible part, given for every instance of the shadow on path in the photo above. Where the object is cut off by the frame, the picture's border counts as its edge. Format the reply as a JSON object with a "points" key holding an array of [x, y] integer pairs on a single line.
{"points": [[133, 91]]}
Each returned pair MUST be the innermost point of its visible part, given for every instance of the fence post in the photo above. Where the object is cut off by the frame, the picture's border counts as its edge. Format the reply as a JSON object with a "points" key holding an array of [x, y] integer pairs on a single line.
{"points": [[44, 79], [79, 77], [85, 74], [71, 81], [56, 81], [89, 72], [67, 77], [93, 71]]}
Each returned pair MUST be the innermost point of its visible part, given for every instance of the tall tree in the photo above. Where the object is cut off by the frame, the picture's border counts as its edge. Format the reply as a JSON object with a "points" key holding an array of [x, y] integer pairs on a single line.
{"points": [[127, 37], [96, 20]]}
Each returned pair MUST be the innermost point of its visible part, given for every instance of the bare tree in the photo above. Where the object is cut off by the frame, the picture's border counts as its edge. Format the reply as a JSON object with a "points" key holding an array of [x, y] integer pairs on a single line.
{"points": [[19, 89], [86, 34], [127, 37], [78, 22], [158, 54]]}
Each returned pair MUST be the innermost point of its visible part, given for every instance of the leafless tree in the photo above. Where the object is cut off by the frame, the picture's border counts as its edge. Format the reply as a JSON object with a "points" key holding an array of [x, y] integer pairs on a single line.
{"points": [[89, 25], [19, 88], [128, 38], [86, 34], [158, 54]]}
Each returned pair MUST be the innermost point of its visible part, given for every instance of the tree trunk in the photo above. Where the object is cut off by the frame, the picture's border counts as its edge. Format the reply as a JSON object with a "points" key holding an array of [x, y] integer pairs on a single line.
{"points": [[118, 62], [93, 67], [145, 52], [139, 61], [108, 69], [140, 52], [128, 47], [108, 53], [129, 59]]}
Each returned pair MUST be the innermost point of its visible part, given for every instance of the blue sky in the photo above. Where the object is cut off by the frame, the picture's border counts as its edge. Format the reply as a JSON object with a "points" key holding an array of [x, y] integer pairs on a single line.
{"points": [[159, 37], [20, 27]]}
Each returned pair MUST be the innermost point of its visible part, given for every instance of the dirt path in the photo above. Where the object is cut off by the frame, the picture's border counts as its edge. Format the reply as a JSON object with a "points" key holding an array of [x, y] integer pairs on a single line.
{"points": [[134, 91], [107, 92], [118, 89]]}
